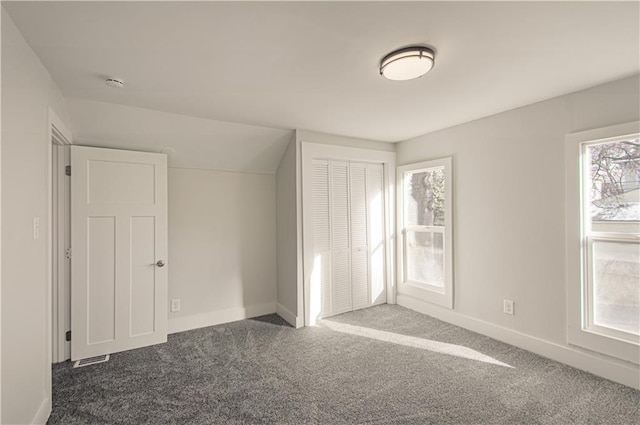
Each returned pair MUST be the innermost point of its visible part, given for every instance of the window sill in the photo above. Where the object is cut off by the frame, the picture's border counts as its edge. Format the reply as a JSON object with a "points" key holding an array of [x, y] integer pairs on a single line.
{"points": [[610, 346]]}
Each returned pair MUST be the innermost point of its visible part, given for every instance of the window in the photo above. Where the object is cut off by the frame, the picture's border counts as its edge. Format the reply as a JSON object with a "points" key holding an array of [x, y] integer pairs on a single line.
{"points": [[424, 217], [611, 214], [604, 294]]}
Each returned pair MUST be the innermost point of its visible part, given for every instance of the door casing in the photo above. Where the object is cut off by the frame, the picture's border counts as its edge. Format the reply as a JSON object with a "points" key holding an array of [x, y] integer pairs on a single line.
{"points": [[311, 151]]}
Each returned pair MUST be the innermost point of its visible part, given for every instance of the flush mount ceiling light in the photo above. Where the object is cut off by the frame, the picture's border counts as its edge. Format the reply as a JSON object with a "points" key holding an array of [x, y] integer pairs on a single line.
{"points": [[407, 63], [114, 82]]}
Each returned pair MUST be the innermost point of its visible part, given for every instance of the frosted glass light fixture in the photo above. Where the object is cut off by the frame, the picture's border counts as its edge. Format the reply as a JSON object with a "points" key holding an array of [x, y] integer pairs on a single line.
{"points": [[407, 63]]}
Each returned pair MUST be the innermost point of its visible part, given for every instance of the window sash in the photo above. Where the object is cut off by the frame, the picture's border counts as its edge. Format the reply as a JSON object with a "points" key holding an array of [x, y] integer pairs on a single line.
{"points": [[424, 229], [588, 292], [408, 174]]}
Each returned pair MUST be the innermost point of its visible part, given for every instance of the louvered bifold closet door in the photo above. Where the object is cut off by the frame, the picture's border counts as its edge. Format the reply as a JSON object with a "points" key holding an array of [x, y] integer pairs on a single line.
{"points": [[376, 232], [322, 233], [359, 237], [340, 238]]}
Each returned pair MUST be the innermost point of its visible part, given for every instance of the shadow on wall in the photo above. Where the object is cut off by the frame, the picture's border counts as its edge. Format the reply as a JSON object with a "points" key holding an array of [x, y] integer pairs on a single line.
{"points": [[254, 197]]}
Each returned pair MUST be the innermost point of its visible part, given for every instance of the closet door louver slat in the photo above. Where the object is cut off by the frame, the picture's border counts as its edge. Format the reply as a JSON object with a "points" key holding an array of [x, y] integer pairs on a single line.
{"points": [[322, 233], [340, 238], [359, 249]]}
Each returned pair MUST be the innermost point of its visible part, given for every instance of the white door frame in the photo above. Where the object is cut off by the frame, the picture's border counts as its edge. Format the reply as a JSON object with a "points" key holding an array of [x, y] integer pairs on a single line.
{"points": [[58, 135], [310, 151], [60, 257]]}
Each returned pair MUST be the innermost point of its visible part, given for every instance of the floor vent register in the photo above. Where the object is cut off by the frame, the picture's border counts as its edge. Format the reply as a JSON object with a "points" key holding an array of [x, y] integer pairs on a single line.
{"points": [[92, 360]]}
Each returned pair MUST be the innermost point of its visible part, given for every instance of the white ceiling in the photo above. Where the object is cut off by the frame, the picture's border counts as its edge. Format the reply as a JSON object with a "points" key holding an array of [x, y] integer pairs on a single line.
{"points": [[314, 65]]}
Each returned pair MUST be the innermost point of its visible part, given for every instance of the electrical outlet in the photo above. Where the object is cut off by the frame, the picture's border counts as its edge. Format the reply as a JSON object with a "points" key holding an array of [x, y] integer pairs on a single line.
{"points": [[175, 304], [507, 306]]}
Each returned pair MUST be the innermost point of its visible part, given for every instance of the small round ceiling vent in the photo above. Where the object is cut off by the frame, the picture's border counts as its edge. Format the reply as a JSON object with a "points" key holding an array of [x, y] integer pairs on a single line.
{"points": [[114, 82]]}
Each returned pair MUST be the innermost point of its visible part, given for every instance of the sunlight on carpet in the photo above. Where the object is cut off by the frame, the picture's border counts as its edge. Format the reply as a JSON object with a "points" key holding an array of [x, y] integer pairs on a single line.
{"points": [[411, 341]]}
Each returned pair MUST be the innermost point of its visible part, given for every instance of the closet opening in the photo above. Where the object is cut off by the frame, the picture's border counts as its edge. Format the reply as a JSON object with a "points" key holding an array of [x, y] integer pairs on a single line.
{"points": [[347, 234]]}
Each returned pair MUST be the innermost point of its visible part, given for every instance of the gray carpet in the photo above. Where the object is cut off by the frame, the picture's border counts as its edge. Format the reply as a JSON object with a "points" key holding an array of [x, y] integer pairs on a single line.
{"points": [[383, 365]]}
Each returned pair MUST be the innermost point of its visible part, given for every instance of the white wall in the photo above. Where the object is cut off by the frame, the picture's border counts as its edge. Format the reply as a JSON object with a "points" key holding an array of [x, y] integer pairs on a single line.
{"points": [[352, 142], [509, 208], [192, 142], [288, 247], [222, 246], [27, 94], [1, 11]]}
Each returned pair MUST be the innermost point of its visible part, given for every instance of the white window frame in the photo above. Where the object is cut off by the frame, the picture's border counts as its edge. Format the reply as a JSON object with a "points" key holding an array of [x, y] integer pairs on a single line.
{"points": [[582, 332], [439, 295]]}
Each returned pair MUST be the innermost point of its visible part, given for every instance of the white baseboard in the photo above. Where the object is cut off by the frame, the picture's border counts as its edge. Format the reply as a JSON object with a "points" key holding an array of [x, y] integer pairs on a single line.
{"points": [[187, 323], [42, 416], [616, 370], [288, 316]]}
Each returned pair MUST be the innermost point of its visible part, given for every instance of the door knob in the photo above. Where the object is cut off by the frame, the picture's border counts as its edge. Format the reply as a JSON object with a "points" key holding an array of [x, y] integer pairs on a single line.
{"points": [[160, 263]]}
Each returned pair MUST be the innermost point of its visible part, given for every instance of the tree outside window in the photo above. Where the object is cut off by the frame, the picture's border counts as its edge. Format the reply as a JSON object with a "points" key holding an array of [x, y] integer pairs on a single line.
{"points": [[615, 181]]}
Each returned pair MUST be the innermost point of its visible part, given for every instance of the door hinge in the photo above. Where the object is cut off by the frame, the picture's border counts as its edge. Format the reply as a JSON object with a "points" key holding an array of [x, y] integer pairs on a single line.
{"points": [[67, 170], [67, 253], [67, 336]]}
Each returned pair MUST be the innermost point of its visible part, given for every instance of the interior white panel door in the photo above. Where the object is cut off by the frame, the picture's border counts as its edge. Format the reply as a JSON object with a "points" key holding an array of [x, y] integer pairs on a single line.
{"points": [[340, 238], [359, 237], [119, 246], [376, 234]]}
